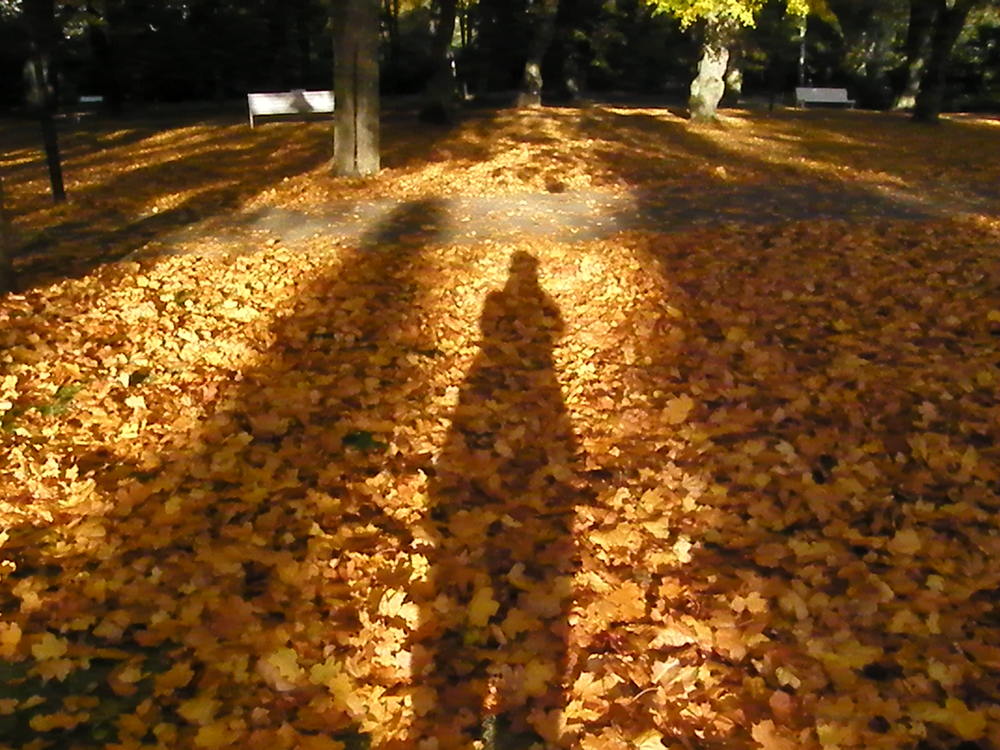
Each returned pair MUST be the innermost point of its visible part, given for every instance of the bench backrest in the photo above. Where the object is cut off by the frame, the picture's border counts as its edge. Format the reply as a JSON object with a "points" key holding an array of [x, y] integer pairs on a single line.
{"points": [[809, 94], [290, 102]]}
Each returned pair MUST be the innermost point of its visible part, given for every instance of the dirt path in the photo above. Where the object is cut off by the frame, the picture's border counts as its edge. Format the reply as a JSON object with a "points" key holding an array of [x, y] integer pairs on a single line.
{"points": [[565, 216]]}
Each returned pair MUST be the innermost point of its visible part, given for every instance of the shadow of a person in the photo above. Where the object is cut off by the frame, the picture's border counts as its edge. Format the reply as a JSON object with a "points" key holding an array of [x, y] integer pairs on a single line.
{"points": [[503, 495]]}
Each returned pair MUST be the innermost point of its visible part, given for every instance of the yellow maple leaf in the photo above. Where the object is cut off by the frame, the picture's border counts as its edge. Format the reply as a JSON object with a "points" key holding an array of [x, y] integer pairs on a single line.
{"points": [[49, 646], [518, 621], [676, 410], [905, 542], [286, 661], [10, 636], [199, 710], [650, 740], [482, 607], [538, 676], [770, 737], [177, 676], [215, 735], [59, 720], [967, 723]]}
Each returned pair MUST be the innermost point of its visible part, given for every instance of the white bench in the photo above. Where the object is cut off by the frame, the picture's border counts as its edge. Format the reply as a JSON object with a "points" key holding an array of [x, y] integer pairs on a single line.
{"points": [[809, 95], [295, 102]]}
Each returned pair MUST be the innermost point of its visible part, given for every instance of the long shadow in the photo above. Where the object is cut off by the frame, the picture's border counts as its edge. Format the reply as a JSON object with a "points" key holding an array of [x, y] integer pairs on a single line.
{"points": [[215, 179], [503, 494], [813, 395], [681, 178], [237, 570]]}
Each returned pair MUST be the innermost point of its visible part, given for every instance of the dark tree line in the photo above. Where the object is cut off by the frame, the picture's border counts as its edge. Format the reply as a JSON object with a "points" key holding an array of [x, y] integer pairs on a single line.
{"points": [[131, 51]]}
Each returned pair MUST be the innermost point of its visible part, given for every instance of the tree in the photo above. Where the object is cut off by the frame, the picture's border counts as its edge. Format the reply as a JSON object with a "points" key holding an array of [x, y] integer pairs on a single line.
{"points": [[918, 42], [721, 20], [543, 16], [949, 20], [40, 19], [356, 88], [440, 90]]}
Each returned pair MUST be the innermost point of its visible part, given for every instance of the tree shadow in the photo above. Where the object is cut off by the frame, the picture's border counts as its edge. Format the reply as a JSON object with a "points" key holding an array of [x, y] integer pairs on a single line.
{"points": [[810, 398], [231, 577], [174, 183], [503, 493]]}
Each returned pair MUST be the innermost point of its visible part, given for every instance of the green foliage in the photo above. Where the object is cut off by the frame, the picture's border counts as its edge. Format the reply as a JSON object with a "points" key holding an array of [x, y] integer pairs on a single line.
{"points": [[743, 12]]}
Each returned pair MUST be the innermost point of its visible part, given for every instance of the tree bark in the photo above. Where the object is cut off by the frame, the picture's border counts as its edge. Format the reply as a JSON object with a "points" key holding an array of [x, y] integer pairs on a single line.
{"points": [[918, 43], [709, 85], [543, 13], [440, 92], [356, 89], [950, 22], [40, 18]]}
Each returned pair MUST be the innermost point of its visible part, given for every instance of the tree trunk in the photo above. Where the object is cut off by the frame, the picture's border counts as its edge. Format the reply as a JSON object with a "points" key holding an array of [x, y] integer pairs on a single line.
{"points": [[102, 46], [6, 243], [390, 9], [709, 85], [543, 14], [440, 91], [356, 88], [40, 18], [734, 72], [950, 22], [918, 43]]}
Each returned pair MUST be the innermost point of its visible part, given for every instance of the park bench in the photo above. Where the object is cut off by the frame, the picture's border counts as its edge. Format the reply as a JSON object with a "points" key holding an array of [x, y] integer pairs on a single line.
{"points": [[295, 102], [810, 95]]}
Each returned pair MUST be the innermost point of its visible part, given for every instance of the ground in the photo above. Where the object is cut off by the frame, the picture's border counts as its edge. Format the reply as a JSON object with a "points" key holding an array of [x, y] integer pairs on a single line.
{"points": [[632, 432]]}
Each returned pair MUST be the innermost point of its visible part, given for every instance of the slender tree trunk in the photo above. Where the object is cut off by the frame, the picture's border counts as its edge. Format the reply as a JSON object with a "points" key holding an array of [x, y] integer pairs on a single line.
{"points": [[918, 44], [543, 14], [40, 17], [950, 22], [356, 88], [7, 282], [709, 85], [803, 28], [734, 72], [440, 91], [391, 11]]}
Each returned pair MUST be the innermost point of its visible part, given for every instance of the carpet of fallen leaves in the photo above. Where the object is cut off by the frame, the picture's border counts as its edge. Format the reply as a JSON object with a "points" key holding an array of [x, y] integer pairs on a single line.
{"points": [[719, 488]]}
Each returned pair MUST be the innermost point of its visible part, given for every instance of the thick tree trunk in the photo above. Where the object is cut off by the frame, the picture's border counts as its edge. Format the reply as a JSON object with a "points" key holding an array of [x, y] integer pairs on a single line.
{"points": [[440, 92], [918, 44], [543, 15], [950, 22], [40, 78], [709, 85], [356, 88]]}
